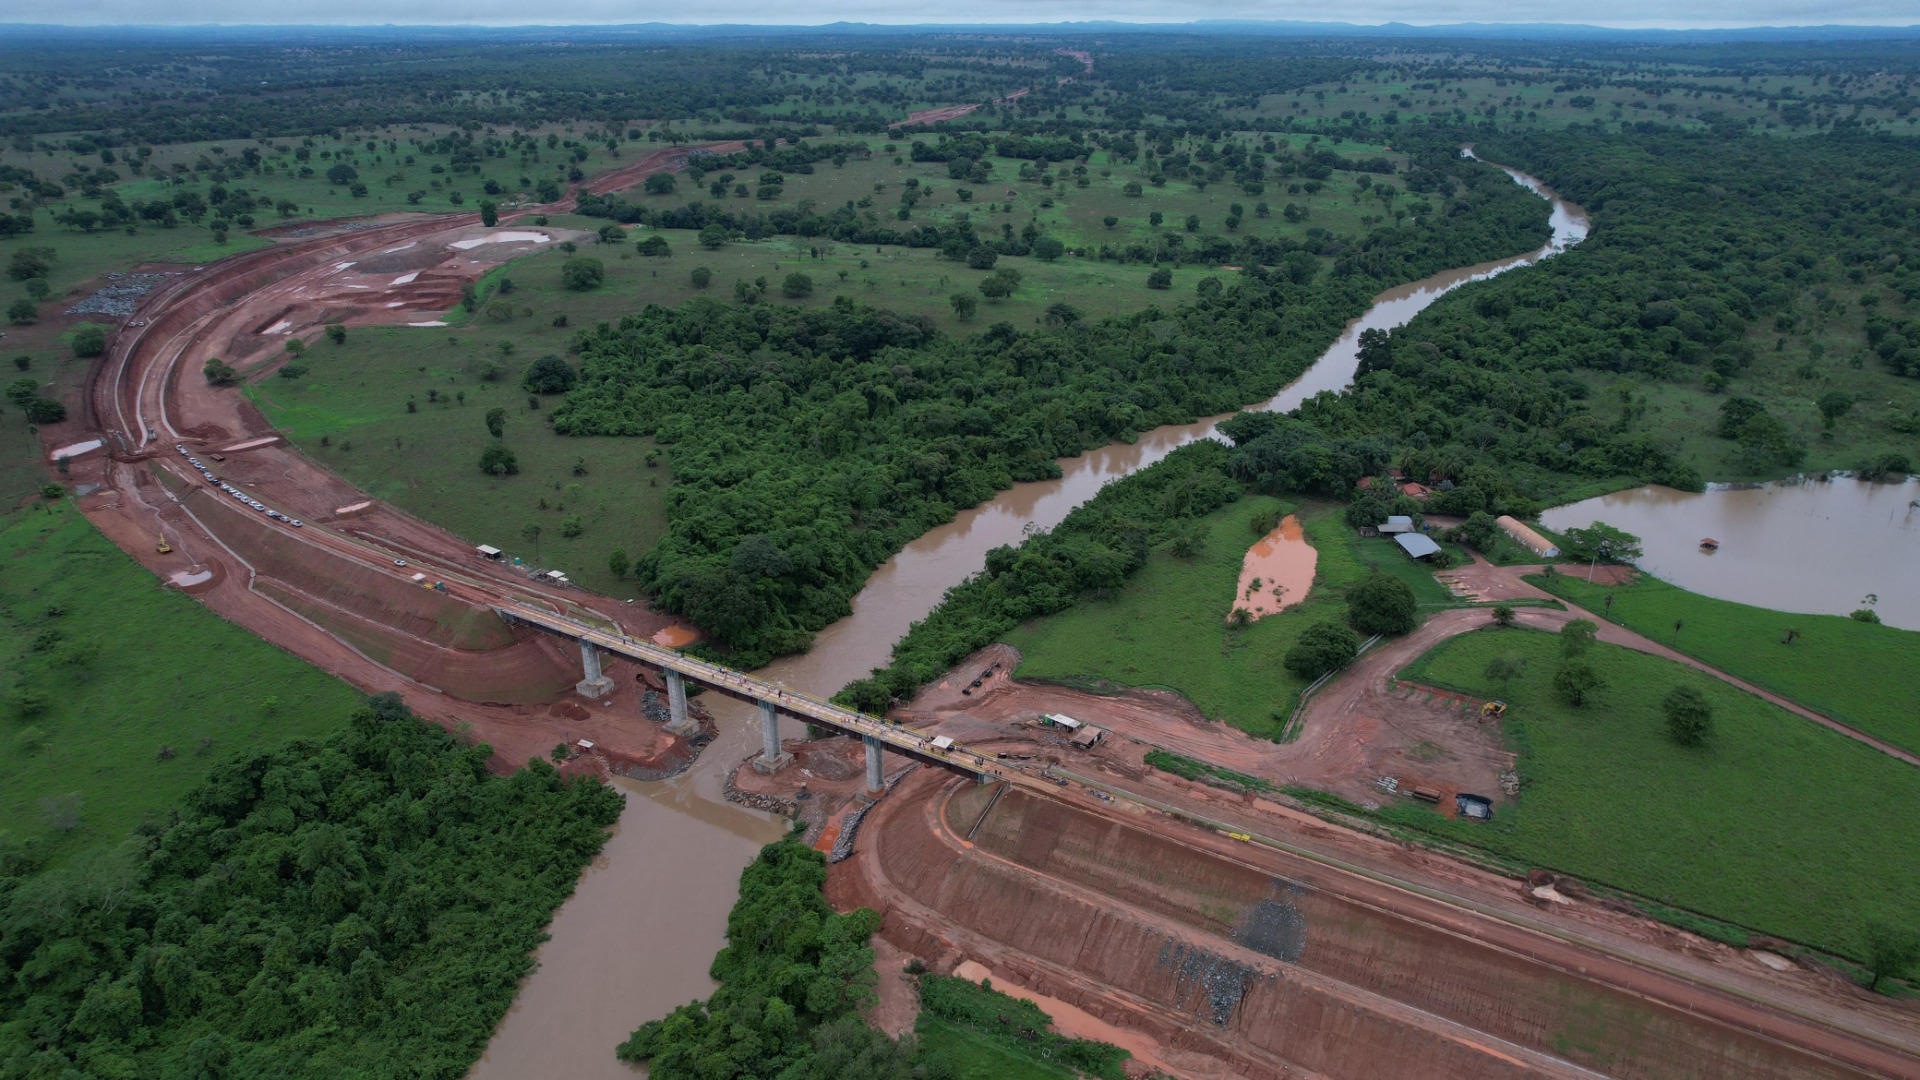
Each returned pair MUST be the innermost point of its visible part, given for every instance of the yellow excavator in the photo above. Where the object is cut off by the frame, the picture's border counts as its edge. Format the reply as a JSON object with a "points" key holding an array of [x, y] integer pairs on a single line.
{"points": [[162, 546]]}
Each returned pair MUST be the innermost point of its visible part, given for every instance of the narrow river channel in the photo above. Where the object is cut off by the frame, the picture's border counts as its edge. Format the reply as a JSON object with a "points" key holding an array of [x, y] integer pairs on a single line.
{"points": [[639, 934]]}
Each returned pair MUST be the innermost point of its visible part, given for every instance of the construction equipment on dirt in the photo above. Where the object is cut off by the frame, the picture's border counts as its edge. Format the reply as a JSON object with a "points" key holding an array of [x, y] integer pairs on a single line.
{"points": [[162, 546], [1493, 710]]}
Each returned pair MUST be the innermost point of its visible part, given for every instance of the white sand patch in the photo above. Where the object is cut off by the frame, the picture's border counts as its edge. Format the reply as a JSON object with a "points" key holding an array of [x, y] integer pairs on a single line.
{"points": [[405, 279], [250, 444], [435, 322], [355, 506], [280, 327], [1773, 960], [181, 577], [501, 238], [1550, 894], [76, 449], [395, 303], [337, 267], [402, 247]]}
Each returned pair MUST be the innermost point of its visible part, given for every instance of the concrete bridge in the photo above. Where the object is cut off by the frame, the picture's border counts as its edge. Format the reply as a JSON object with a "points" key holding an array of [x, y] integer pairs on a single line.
{"points": [[772, 700]]}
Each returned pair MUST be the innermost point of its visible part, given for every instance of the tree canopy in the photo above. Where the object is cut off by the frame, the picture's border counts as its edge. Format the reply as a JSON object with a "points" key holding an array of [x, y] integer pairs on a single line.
{"points": [[329, 909]]}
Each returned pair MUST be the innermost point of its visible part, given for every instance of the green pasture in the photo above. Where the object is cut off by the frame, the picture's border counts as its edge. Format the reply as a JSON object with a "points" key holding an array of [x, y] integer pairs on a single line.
{"points": [[350, 414], [1858, 673], [121, 694], [1744, 829], [1167, 626]]}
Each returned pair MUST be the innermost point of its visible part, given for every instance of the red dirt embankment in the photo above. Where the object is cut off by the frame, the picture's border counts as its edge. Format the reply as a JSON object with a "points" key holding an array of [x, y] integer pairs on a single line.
{"points": [[1259, 960]]}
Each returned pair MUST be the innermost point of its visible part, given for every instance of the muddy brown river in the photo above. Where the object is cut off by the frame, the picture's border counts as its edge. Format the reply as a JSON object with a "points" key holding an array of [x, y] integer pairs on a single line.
{"points": [[1819, 546], [639, 934]]}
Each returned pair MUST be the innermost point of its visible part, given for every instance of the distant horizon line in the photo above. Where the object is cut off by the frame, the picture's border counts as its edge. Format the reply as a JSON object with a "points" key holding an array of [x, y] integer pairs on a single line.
{"points": [[1067, 25]]}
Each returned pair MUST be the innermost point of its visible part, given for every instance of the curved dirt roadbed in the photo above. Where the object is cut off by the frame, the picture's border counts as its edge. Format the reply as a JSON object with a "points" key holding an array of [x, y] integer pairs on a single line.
{"points": [[331, 592], [1015, 883]]}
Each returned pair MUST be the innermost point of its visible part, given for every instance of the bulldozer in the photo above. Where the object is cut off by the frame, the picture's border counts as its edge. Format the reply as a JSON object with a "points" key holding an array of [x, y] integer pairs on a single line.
{"points": [[162, 546]]}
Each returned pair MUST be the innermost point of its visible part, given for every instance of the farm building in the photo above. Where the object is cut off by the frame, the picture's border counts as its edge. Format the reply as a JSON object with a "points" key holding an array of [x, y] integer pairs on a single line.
{"points": [[1526, 537], [1398, 523], [1417, 545]]}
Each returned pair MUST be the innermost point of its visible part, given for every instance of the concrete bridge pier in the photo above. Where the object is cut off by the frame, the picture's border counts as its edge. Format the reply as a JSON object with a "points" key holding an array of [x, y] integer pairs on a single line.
{"points": [[678, 721], [876, 779], [772, 759], [596, 684]]}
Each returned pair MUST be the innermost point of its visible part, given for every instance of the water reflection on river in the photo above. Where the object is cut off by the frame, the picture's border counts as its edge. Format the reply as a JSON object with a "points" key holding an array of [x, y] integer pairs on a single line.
{"points": [[639, 934], [1816, 547]]}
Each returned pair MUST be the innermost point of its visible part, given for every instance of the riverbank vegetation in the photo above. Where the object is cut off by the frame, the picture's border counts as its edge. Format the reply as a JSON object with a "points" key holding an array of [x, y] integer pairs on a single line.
{"points": [[908, 426], [1861, 674], [349, 906], [1740, 829], [119, 694]]}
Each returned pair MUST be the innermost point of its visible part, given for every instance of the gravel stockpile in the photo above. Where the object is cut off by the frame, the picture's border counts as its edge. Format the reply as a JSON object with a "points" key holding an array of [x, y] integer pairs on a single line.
{"points": [[119, 298]]}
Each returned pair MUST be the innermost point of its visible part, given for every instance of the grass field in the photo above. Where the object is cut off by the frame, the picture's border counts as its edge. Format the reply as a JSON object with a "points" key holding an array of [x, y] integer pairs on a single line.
{"points": [[1746, 829], [122, 694], [912, 281], [1167, 626], [1860, 674], [355, 399], [1074, 214], [976, 1056], [983, 1034]]}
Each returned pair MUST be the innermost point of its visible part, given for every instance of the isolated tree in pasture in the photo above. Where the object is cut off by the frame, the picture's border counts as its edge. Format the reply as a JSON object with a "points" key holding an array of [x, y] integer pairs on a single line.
{"points": [[1381, 604], [497, 460], [1505, 669], [1891, 952], [1577, 682], [496, 422], [582, 274], [1577, 636], [1689, 716], [1324, 647]]}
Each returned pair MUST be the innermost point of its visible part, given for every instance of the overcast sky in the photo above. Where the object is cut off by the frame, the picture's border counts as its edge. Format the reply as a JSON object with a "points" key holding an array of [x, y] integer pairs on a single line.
{"points": [[1615, 13]]}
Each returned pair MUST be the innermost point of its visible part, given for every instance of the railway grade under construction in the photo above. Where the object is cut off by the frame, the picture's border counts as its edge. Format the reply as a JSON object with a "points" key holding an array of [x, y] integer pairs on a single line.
{"points": [[1237, 955]]}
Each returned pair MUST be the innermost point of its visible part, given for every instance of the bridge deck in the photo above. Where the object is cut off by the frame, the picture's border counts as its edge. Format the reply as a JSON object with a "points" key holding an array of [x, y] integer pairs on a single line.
{"points": [[810, 708]]}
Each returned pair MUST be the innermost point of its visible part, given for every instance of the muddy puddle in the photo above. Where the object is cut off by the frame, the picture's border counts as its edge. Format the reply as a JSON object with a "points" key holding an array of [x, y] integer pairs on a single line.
{"points": [[639, 934], [1816, 546], [1276, 572]]}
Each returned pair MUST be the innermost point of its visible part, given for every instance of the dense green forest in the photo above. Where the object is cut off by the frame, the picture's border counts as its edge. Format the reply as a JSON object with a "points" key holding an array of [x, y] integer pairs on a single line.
{"points": [[793, 977], [359, 906], [810, 445]]}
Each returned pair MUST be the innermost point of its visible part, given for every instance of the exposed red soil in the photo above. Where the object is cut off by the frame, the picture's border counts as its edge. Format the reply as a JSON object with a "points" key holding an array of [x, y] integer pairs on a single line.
{"points": [[330, 593], [1050, 891], [1379, 731]]}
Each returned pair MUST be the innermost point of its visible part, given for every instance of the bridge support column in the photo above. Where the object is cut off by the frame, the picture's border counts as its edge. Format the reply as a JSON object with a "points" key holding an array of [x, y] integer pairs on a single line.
{"points": [[876, 780], [596, 684], [678, 721], [772, 759]]}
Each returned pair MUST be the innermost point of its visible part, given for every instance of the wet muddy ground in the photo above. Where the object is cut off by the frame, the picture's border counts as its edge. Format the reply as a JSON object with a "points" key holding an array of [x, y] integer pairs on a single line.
{"points": [[1277, 570]]}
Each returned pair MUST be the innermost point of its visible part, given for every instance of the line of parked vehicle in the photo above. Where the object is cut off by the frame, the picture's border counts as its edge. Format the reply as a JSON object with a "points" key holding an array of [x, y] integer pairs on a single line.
{"points": [[236, 493]]}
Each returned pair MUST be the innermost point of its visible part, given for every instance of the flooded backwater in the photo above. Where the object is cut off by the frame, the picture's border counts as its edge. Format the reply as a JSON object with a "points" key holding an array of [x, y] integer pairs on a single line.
{"points": [[639, 934], [1819, 546], [1277, 570]]}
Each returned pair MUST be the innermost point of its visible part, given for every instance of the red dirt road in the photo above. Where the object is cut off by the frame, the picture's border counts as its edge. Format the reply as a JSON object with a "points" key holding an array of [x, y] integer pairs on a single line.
{"points": [[945, 899], [337, 598]]}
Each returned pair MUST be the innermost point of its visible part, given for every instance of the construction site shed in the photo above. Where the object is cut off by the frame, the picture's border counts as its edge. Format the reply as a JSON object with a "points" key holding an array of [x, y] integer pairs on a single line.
{"points": [[488, 551], [1417, 545], [1526, 537], [1087, 737]]}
